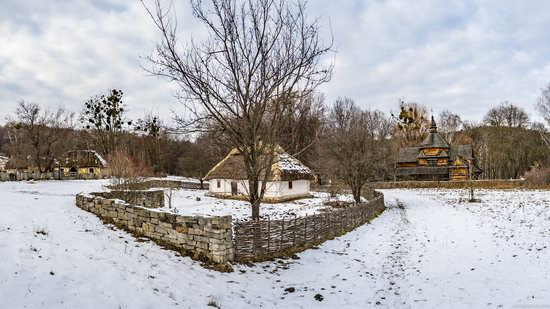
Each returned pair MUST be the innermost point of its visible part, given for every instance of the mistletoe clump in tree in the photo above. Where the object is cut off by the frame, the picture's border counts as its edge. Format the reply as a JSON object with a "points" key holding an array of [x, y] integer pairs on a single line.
{"points": [[412, 123], [151, 130], [103, 116]]}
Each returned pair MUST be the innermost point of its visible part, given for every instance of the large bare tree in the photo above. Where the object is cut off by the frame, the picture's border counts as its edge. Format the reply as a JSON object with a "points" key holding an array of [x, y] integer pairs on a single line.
{"points": [[543, 104], [356, 145], [260, 57], [412, 123], [449, 125], [507, 114], [103, 117]]}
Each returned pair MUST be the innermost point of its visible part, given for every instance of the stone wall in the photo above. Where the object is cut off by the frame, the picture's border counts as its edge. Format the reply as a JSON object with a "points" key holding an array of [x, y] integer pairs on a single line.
{"points": [[168, 183], [144, 198], [198, 237], [478, 184], [24, 175]]}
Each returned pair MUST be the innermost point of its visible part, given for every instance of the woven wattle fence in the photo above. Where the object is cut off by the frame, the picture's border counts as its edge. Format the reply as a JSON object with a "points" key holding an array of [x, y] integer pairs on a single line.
{"points": [[266, 238]]}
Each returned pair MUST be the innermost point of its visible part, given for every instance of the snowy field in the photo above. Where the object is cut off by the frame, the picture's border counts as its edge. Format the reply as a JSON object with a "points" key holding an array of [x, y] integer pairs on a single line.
{"points": [[434, 251]]}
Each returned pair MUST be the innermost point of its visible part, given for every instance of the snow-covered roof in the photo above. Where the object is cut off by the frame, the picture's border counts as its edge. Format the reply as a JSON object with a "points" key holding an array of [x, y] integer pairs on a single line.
{"points": [[85, 158], [285, 167], [3, 161]]}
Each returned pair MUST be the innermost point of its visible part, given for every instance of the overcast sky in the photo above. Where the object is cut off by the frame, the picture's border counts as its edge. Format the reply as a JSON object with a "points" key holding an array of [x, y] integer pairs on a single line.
{"points": [[464, 56]]}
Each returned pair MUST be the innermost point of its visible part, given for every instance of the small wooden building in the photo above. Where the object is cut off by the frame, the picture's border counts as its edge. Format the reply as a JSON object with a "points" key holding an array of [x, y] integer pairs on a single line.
{"points": [[288, 178], [435, 159], [83, 164]]}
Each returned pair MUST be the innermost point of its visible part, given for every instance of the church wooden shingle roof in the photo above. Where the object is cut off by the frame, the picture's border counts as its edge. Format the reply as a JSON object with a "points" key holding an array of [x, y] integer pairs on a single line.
{"points": [[433, 140]]}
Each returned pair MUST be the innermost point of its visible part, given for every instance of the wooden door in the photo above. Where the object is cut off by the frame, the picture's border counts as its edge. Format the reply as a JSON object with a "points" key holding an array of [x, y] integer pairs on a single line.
{"points": [[234, 190]]}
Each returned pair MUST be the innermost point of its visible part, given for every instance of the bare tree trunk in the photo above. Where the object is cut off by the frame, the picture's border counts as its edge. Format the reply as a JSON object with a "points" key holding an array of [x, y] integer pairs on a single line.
{"points": [[259, 57]]}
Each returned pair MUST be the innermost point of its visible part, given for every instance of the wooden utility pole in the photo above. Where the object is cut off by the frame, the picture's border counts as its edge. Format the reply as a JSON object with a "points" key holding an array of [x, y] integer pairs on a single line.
{"points": [[471, 183]]}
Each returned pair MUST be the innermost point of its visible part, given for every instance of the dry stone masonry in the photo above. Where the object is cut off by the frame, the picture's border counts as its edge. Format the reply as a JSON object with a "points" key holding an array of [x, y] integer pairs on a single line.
{"points": [[200, 237], [212, 238], [144, 198]]}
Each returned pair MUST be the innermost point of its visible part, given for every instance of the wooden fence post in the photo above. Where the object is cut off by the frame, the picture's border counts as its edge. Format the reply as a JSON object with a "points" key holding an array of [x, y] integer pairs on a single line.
{"points": [[282, 234], [305, 230], [294, 232], [268, 235]]}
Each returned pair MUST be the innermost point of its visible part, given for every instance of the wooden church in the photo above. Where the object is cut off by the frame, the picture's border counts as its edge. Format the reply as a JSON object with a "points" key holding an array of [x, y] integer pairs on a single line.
{"points": [[435, 159]]}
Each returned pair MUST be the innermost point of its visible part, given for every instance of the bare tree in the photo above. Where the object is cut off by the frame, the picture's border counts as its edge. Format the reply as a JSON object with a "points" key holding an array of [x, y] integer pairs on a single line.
{"points": [[103, 116], [260, 56], [449, 125], [543, 104], [303, 124], [507, 114], [197, 160], [412, 123], [356, 144], [127, 173], [41, 134]]}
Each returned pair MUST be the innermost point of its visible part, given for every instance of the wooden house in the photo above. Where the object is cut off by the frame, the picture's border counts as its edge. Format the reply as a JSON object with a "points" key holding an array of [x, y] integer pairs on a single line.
{"points": [[288, 178], [435, 159], [83, 164]]}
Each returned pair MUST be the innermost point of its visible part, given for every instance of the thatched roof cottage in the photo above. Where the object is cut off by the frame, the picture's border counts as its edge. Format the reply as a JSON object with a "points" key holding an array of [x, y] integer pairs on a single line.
{"points": [[83, 164], [288, 178]]}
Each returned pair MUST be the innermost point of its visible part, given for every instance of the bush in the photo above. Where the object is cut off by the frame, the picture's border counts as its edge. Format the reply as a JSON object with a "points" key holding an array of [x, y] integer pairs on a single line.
{"points": [[126, 172], [538, 176]]}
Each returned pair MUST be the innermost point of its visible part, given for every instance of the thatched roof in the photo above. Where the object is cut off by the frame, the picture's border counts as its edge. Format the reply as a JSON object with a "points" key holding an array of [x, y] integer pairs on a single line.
{"points": [[3, 161], [84, 158], [285, 168], [18, 163]]}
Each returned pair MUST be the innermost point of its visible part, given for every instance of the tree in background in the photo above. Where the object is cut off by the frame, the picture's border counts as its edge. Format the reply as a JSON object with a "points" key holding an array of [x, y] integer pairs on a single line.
{"points": [[543, 104], [507, 114], [356, 145], [260, 57], [412, 123], [153, 137], [302, 126], [103, 116], [449, 125], [197, 160], [39, 134]]}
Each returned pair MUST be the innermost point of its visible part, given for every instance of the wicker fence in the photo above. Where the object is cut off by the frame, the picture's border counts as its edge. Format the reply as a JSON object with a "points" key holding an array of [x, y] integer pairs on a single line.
{"points": [[265, 239]]}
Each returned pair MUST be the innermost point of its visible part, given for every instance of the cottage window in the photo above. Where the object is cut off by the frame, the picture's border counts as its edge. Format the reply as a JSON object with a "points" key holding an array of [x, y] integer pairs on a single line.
{"points": [[219, 184], [290, 185]]}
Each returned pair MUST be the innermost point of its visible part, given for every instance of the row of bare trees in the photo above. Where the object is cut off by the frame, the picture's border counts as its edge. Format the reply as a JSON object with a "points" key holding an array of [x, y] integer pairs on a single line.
{"points": [[251, 85]]}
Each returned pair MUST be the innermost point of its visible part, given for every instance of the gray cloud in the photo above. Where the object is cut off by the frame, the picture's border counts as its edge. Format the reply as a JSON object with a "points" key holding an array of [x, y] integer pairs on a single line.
{"points": [[465, 56]]}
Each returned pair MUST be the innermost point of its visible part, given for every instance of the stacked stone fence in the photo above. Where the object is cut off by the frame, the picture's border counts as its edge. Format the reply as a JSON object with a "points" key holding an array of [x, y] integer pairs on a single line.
{"points": [[207, 238], [166, 183], [477, 184], [144, 198], [265, 239], [23, 175]]}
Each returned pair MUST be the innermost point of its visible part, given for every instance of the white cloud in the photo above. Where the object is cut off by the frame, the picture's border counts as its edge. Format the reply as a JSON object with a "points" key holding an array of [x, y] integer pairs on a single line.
{"points": [[465, 56]]}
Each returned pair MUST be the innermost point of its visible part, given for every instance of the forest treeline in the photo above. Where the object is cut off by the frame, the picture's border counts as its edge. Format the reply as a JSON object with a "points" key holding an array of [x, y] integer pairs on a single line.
{"points": [[336, 140]]}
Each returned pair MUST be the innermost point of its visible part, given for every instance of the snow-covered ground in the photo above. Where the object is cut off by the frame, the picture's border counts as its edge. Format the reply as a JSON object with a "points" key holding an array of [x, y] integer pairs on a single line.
{"points": [[433, 252], [184, 202]]}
